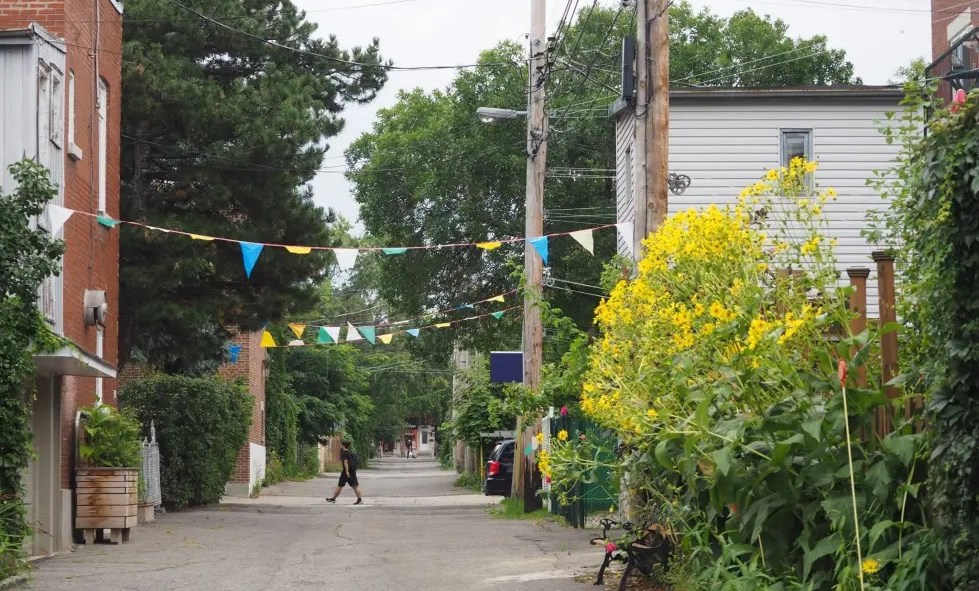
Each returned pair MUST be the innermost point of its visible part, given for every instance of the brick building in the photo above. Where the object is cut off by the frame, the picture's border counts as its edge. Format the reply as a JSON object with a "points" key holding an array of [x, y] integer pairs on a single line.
{"points": [[60, 84], [252, 368], [952, 22]]}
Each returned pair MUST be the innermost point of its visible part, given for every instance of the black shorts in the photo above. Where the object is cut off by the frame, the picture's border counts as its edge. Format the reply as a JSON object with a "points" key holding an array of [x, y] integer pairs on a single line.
{"points": [[352, 481]]}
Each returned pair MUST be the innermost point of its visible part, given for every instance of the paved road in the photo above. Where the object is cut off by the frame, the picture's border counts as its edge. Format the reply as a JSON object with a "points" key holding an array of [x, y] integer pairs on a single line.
{"points": [[415, 531]]}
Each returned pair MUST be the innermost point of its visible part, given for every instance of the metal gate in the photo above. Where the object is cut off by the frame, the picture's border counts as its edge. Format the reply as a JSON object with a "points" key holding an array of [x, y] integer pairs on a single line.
{"points": [[150, 468], [592, 497]]}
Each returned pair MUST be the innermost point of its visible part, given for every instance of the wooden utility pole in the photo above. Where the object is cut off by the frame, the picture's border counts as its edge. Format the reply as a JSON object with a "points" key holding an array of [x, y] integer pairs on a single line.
{"points": [[533, 331], [657, 118], [640, 152]]}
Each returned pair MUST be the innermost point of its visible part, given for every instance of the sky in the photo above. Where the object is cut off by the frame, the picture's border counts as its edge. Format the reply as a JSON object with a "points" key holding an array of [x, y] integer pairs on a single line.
{"points": [[879, 37]]}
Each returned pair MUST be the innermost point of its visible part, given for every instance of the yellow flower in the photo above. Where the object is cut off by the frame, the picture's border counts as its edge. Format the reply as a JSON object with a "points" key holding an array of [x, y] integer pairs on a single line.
{"points": [[539, 437], [651, 413], [772, 175], [758, 330], [869, 566], [817, 210], [562, 435]]}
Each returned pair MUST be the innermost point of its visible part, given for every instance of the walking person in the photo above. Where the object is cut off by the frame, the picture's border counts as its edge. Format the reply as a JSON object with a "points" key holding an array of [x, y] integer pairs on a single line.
{"points": [[408, 447], [348, 474]]}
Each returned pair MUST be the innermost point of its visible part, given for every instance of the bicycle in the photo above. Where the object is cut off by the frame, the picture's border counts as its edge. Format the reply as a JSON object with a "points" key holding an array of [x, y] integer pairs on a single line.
{"points": [[642, 549]]}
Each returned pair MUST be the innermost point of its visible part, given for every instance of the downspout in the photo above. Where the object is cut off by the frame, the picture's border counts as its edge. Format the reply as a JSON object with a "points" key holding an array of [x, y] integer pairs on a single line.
{"points": [[74, 470]]}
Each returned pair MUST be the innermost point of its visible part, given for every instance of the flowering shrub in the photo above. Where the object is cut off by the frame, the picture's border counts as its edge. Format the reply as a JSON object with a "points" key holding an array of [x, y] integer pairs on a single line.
{"points": [[717, 366]]}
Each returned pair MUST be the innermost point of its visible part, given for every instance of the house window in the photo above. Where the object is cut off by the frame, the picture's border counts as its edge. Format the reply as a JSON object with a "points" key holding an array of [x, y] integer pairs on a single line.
{"points": [[73, 150], [425, 437], [43, 113], [103, 107], [796, 143], [56, 121]]}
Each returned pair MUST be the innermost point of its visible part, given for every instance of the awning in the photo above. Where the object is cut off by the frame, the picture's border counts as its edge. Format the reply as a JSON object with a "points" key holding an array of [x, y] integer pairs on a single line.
{"points": [[70, 361]]}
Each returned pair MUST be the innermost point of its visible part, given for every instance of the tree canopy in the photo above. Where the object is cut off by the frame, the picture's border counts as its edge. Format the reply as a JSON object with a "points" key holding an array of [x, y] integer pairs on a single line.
{"points": [[222, 131], [429, 172]]}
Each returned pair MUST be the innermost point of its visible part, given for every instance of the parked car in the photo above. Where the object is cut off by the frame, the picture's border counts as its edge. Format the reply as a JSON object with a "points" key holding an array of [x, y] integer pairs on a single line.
{"points": [[499, 469]]}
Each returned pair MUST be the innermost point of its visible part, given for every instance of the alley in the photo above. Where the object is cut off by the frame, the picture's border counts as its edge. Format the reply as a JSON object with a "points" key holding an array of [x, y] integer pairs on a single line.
{"points": [[415, 531]]}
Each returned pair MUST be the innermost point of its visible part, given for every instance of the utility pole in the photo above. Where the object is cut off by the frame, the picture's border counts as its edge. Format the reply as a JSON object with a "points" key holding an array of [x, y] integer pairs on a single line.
{"points": [[658, 114], [640, 152], [533, 265]]}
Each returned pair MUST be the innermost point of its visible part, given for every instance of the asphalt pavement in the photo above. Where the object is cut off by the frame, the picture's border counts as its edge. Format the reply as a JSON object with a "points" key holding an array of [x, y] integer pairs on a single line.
{"points": [[414, 531]]}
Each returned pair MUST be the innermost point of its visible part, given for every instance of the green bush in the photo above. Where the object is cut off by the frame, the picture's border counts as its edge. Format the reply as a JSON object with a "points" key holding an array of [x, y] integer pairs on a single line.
{"points": [[201, 423], [309, 462], [111, 438], [274, 470]]}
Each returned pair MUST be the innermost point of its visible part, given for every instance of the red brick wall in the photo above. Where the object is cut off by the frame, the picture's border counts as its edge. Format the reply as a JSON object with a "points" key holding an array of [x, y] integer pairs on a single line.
{"points": [[943, 13], [251, 369]]}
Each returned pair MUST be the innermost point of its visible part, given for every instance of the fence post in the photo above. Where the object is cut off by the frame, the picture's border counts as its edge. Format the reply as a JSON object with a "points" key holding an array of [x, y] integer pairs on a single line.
{"points": [[858, 305], [887, 301]]}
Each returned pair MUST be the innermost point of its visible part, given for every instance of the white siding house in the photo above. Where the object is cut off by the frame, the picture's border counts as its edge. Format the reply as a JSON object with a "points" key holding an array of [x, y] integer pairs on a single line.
{"points": [[726, 139]]}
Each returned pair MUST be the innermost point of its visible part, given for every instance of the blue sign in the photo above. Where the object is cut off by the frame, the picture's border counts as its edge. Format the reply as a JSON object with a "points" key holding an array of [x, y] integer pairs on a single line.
{"points": [[506, 367]]}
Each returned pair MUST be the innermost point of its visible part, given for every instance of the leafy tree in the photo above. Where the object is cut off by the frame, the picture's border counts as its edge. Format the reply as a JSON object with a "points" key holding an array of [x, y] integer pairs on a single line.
{"points": [[428, 172], [222, 133], [330, 389]]}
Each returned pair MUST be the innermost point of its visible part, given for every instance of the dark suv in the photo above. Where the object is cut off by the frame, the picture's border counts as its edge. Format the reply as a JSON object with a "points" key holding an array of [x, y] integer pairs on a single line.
{"points": [[499, 469]]}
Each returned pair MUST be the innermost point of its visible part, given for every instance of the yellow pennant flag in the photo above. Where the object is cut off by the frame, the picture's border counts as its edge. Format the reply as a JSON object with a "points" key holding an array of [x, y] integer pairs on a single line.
{"points": [[267, 340], [299, 249], [299, 329], [489, 245], [385, 338], [202, 237], [443, 325], [498, 298]]}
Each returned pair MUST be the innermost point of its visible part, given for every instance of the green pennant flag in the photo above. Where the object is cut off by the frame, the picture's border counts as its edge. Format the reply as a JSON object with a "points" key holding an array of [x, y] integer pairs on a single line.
{"points": [[394, 250], [323, 337], [497, 315], [107, 221]]}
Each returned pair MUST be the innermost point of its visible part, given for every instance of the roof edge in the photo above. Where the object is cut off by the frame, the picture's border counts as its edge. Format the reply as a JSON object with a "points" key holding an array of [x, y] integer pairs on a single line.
{"points": [[34, 31]]}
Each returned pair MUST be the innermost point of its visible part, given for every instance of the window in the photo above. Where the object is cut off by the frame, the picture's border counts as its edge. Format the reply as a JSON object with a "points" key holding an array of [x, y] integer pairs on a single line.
{"points": [[424, 437], [43, 113], [103, 107], [73, 150], [56, 120], [796, 143]]}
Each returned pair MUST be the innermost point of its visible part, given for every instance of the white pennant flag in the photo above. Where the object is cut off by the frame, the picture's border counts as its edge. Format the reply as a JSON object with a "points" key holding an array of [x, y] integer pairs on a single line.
{"points": [[334, 332], [586, 239], [57, 216], [627, 231], [353, 334], [346, 258]]}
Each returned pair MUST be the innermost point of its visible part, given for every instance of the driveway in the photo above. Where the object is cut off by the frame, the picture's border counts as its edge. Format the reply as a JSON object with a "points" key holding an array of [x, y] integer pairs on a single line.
{"points": [[414, 531]]}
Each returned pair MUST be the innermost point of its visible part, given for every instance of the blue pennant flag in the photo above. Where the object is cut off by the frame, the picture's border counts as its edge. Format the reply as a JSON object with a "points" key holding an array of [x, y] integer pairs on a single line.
{"points": [[369, 333], [540, 245], [413, 332], [233, 351], [249, 255]]}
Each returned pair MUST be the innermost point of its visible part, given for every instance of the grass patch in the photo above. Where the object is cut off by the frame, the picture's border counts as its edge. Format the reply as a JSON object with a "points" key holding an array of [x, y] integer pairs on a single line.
{"points": [[470, 480], [514, 509]]}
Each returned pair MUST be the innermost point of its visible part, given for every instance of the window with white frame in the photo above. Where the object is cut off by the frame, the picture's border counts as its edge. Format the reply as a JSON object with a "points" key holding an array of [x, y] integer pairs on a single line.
{"points": [[73, 150], [103, 116], [795, 143], [56, 114]]}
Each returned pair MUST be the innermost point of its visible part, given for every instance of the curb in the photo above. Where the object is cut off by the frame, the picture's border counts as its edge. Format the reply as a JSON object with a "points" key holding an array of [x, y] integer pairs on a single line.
{"points": [[14, 582]]}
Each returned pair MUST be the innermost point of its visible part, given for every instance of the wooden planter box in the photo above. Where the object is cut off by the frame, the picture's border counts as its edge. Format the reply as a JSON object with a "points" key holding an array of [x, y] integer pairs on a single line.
{"points": [[147, 513], [106, 498]]}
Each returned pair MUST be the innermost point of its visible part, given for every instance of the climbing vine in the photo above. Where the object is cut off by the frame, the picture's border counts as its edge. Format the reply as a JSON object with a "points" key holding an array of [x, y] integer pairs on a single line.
{"points": [[28, 255]]}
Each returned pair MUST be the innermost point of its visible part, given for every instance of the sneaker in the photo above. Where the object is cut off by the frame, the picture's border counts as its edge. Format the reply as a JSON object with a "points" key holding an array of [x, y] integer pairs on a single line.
{"points": [[359, 501], [331, 499]]}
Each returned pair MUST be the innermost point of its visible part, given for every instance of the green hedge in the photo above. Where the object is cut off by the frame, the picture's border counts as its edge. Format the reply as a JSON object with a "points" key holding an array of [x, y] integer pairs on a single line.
{"points": [[201, 423]]}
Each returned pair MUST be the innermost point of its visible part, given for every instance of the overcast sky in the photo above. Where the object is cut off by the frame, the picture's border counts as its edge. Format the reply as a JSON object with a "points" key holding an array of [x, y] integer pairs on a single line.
{"points": [[879, 36]]}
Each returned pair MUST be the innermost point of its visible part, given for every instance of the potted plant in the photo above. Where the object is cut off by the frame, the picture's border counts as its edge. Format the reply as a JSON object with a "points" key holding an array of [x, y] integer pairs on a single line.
{"points": [[107, 475]]}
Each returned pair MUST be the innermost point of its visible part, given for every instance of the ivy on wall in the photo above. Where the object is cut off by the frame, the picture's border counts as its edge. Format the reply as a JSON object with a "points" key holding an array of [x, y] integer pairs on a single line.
{"points": [[28, 255]]}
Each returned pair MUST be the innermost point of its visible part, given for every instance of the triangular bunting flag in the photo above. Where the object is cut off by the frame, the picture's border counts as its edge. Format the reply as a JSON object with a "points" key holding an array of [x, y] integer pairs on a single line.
{"points": [[323, 337], [466, 307], [233, 352], [249, 254], [57, 216], [627, 231], [202, 237], [498, 298], [385, 338], [267, 340], [346, 258], [586, 239], [164, 230], [390, 251], [540, 245], [297, 343], [413, 332], [369, 332], [299, 249], [497, 315], [107, 221], [443, 325], [489, 245], [299, 329], [352, 334], [334, 333]]}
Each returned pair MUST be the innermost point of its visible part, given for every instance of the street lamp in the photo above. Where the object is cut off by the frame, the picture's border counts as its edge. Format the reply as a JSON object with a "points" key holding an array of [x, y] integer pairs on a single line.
{"points": [[493, 115]]}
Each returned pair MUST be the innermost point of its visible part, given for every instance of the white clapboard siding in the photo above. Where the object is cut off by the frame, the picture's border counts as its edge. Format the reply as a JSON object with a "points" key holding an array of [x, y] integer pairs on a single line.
{"points": [[727, 143]]}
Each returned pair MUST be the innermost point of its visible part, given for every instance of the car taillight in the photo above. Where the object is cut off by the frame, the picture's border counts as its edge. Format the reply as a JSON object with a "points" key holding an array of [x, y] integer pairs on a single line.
{"points": [[493, 469]]}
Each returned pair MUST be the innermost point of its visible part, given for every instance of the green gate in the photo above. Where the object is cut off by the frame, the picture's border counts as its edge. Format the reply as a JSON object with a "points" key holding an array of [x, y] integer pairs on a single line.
{"points": [[594, 497]]}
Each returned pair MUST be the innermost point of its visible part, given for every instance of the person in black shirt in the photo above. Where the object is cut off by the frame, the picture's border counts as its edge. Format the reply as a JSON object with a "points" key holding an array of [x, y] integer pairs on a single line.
{"points": [[348, 474]]}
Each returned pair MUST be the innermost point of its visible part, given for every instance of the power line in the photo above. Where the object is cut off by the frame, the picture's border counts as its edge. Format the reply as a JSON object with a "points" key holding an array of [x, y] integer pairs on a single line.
{"points": [[331, 58]]}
